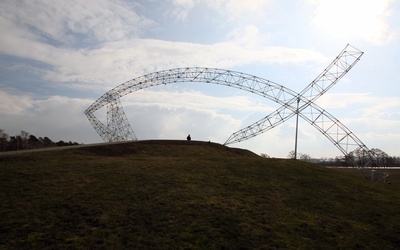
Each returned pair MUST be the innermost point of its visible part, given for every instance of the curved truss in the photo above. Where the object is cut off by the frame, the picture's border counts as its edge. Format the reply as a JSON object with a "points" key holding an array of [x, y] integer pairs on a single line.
{"points": [[118, 128]]}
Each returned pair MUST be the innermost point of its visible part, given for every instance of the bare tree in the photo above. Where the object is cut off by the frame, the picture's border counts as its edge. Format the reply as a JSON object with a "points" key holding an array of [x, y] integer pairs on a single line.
{"points": [[265, 155], [380, 156], [305, 157], [24, 136], [47, 142], [3, 140], [362, 157], [291, 155], [33, 142]]}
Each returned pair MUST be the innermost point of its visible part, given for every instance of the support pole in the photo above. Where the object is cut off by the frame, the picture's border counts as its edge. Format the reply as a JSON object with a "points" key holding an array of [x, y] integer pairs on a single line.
{"points": [[297, 129]]}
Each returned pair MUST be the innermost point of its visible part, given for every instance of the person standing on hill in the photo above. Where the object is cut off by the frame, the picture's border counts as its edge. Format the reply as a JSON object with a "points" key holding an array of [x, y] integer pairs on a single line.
{"points": [[188, 137]]}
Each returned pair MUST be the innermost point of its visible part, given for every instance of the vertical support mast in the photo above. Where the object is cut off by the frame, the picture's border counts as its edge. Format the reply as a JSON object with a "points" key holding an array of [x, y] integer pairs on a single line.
{"points": [[297, 129], [346, 59], [117, 127]]}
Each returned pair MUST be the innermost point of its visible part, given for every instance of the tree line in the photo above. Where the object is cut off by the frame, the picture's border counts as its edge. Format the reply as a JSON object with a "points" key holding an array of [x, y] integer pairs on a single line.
{"points": [[361, 157], [358, 157], [25, 140]]}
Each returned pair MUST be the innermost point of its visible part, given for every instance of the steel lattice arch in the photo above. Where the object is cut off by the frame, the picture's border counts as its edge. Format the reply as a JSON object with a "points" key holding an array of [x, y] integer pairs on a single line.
{"points": [[118, 128]]}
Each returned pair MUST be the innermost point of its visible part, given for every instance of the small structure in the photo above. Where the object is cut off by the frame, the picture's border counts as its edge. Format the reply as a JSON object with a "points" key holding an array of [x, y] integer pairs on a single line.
{"points": [[374, 175], [188, 137]]}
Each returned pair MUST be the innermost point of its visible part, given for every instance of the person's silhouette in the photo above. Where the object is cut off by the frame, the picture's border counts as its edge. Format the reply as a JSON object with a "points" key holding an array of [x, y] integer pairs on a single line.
{"points": [[188, 138]]}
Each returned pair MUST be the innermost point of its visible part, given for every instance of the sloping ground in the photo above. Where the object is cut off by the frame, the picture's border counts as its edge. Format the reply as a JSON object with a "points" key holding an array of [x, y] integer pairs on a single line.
{"points": [[179, 194], [169, 148]]}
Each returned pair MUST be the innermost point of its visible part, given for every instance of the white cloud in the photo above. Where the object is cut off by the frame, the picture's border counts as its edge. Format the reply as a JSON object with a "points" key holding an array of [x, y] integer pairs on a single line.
{"points": [[165, 114], [195, 100], [364, 111], [232, 9], [370, 106], [343, 100], [172, 115], [238, 9], [29, 27], [152, 114], [68, 22], [355, 18], [373, 119], [182, 8], [14, 103], [154, 122], [57, 117], [248, 37], [120, 61]]}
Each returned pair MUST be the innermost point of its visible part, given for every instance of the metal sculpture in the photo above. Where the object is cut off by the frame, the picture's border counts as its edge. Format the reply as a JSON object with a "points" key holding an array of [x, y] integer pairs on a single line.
{"points": [[303, 104], [119, 129]]}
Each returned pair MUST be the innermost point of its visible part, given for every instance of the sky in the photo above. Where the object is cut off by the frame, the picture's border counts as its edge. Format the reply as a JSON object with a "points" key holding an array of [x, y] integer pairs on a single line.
{"points": [[57, 57]]}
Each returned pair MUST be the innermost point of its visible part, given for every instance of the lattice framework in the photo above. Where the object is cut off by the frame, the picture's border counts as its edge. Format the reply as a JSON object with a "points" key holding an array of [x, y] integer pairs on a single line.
{"points": [[119, 129]]}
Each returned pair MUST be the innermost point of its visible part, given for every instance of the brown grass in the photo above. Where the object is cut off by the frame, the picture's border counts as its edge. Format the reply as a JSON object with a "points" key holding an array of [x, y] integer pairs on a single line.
{"points": [[196, 195]]}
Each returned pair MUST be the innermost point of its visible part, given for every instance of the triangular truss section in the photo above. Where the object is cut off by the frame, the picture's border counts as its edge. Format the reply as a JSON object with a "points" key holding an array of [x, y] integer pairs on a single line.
{"points": [[292, 103]]}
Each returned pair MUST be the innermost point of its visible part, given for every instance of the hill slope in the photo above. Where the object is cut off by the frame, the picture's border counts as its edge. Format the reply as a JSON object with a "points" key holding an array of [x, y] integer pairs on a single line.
{"points": [[179, 194]]}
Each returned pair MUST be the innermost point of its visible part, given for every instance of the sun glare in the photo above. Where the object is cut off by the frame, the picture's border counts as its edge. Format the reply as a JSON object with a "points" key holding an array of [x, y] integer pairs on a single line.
{"points": [[363, 19]]}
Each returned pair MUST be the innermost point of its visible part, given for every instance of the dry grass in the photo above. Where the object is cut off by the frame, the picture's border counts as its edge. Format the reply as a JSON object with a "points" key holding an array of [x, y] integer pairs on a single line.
{"points": [[164, 194]]}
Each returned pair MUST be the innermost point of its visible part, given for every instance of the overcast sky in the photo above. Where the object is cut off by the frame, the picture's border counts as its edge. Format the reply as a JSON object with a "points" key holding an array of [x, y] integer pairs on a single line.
{"points": [[57, 57]]}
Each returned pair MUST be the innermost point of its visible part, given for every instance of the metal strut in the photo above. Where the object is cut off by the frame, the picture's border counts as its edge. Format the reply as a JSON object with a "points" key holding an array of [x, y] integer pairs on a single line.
{"points": [[119, 129], [329, 77]]}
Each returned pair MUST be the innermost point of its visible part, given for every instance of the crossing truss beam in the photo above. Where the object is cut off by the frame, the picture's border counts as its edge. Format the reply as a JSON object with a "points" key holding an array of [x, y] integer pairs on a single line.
{"points": [[119, 129]]}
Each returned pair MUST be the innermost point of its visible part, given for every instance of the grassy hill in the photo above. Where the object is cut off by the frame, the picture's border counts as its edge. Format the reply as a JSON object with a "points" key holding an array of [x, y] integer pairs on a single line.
{"points": [[196, 195]]}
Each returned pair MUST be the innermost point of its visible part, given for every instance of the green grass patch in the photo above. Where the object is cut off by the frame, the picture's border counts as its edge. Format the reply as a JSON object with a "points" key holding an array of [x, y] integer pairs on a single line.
{"points": [[196, 195]]}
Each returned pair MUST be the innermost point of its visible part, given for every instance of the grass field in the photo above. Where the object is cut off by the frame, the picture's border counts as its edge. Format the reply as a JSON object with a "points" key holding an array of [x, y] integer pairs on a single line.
{"points": [[192, 195]]}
